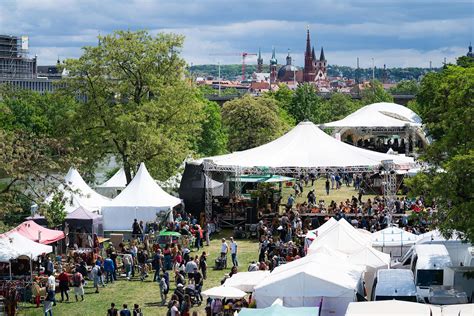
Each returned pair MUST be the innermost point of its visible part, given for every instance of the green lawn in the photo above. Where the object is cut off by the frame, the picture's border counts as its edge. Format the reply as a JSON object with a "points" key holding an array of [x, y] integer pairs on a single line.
{"points": [[147, 293]]}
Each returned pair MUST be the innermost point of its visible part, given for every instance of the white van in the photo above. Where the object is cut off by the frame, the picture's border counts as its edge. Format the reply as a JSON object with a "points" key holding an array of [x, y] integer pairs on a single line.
{"points": [[391, 284]]}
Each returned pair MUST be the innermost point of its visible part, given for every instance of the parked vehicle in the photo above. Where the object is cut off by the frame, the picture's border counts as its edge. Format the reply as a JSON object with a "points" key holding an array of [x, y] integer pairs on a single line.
{"points": [[391, 284]]}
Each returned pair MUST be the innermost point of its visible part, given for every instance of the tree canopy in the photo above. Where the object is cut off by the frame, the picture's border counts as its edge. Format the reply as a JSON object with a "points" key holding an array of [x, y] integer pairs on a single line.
{"points": [[136, 104], [251, 122], [375, 93], [446, 105]]}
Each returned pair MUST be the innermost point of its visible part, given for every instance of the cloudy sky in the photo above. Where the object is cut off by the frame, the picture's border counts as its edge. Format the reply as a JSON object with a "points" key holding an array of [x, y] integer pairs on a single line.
{"points": [[393, 32]]}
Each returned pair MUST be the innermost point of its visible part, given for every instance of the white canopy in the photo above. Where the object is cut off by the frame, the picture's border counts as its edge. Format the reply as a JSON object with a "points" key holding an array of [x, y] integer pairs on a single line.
{"points": [[21, 246], [381, 114], [371, 258], [246, 281], [392, 308], [458, 310], [141, 199], [393, 236], [224, 292], [342, 237], [312, 234], [307, 146], [310, 281], [79, 193], [277, 309], [117, 181]]}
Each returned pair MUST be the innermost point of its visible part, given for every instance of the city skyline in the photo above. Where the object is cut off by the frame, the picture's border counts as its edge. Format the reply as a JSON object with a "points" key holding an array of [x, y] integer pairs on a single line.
{"points": [[395, 33]]}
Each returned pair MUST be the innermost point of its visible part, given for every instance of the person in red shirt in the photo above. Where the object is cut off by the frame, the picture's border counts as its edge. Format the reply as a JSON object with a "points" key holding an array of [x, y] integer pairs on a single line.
{"points": [[63, 279]]}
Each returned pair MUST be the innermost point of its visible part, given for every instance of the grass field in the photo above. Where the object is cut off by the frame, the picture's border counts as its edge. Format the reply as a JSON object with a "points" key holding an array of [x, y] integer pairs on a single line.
{"points": [[146, 293]]}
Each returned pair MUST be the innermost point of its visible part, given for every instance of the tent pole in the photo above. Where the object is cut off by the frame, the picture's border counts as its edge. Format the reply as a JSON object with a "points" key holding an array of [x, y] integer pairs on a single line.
{"points": [[207, 192]]}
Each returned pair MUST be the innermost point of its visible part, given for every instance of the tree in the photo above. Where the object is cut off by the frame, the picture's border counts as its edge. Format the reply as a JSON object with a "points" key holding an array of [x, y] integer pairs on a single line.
{"points": [[305, 104], [251, 122], [445, 103], [136, 104], [34, 148], [55, 212], [337, 107], [375, 93], [409, 87], [213, 139]]}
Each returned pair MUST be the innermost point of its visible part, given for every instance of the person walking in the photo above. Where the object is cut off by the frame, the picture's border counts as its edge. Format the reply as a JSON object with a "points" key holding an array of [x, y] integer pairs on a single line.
{"points": [[63, 279], [233, 252], [327, 186], [95, 274], [157, 264], [77, 283], [137, 311], [163, 290], [48, 303]]}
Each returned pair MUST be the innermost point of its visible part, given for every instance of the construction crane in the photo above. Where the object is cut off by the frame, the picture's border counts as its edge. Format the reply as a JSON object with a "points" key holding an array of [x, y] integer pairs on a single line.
{"points": [[244, 57]]}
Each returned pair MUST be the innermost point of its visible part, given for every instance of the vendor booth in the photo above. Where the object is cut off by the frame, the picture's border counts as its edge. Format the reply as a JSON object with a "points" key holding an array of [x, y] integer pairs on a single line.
{"points": [[277, 309], [320, 281], [84, 220], [37, 233], [143, 199], [394, 241]]}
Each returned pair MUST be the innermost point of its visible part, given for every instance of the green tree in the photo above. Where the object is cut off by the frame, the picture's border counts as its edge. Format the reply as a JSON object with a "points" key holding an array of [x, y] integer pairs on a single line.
{"points": [[136, 106], [405, 87], [337, 107], [305, 104], [213, 139], [55, 212], [375, 93], [446, 105], [251, 122]]}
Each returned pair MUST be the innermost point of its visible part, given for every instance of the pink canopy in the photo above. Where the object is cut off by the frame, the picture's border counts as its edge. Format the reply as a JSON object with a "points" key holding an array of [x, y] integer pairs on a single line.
{"points": [[38, 233]]}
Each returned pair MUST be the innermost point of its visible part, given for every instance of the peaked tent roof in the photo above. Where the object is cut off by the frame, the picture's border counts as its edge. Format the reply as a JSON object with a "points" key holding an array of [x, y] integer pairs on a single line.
{"points": [[370, 257], [24, 246], [312, 234], [341, 237], [82, 213], [37, 233], [143, 191], [79, 193], [246, 281], [381, 114], [118, 180], [393, 236], [307, 146]]}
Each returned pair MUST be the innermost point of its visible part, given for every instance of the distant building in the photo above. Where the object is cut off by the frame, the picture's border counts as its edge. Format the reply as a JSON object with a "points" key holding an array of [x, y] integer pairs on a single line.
{"points": [[20, 71], [315, 70]]}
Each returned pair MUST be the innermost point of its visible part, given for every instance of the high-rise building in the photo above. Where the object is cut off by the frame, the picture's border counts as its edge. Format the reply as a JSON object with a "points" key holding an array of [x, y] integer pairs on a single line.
{"points": [[14, 63]]}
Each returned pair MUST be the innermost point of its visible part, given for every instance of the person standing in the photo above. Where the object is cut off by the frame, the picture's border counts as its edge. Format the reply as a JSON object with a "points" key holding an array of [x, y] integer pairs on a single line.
{"points": [[233, 252], [63, 279], [135, 229], [174, 310], [137, 311], [327, 186], [48, 303], [163, 290], [51, 287], [78, 282], [224, 251], [96, 277], [127, 264], [203, 264], [109, 270], [125, 311], [157, 264], [112, 311]]}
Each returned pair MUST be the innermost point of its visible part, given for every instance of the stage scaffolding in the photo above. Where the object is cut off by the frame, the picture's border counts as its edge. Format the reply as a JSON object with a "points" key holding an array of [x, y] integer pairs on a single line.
{"points": [[209, 167]]}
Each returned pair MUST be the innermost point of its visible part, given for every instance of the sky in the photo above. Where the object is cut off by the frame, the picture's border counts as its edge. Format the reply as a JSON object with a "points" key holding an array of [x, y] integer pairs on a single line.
{"points": [[398, 33]]}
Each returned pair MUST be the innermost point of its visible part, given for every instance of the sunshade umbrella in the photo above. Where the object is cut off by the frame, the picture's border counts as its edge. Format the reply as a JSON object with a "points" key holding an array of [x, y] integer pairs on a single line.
{"points": [[224, 292]]}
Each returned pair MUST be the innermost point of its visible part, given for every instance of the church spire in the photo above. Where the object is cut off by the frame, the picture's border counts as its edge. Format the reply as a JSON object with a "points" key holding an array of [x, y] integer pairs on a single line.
{"points": [[273, 60], [313, 55], [288, 58], [259, 61], [308, 43], [321, 56]]}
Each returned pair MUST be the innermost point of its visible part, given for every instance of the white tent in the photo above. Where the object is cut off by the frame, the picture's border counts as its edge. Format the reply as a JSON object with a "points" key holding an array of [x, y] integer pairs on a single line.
{"points": [[224, 292], [277, 309], [7, 251], [342, 237], [381, 114], [246, 281], [312, 234], [458, 310], [142, 199], [117, 181], [392, 308], [23, 246], [393, 240], [320, 279], [79, 193], [307, 146]]}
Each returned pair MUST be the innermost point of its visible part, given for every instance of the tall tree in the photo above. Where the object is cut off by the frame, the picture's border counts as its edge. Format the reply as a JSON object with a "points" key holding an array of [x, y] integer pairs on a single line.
{"points": [[251, 122], [375, 93], [446, 105], [136, 106], [305, 104], [213, 139]]}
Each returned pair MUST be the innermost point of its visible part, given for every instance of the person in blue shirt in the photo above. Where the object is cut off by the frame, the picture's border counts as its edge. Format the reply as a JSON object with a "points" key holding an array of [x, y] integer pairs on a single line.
{"points": [[125, 311], [109, 269]]}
